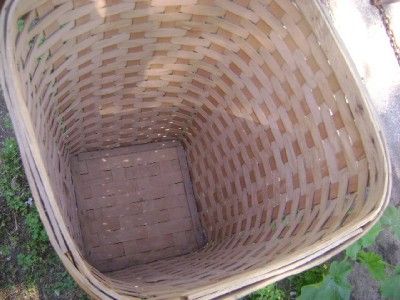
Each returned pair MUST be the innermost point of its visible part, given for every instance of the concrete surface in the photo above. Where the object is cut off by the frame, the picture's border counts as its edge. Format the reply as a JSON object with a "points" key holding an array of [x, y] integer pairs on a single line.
{"points": [[360, 27], [362, 31]]}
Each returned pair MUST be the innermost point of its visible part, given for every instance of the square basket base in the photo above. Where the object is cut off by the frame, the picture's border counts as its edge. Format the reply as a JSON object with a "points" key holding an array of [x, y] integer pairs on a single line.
{"points": [[135, 205]]}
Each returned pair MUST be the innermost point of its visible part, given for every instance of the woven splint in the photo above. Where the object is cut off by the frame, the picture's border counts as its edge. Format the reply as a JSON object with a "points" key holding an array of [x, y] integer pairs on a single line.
{"points": [[190, 148]]}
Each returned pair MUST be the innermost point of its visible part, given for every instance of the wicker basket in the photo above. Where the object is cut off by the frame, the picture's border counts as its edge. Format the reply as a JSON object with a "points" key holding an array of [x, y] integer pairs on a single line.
{"points": [[190, 148]]}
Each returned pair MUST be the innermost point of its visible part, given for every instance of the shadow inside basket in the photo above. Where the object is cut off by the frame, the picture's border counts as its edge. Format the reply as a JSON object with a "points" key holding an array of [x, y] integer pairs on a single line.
{"points": [[136, 205]]}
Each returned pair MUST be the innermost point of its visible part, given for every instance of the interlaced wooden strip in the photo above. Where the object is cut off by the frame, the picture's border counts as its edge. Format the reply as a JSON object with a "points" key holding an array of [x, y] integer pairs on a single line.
{"points": [[134, 205], [287, 165]]}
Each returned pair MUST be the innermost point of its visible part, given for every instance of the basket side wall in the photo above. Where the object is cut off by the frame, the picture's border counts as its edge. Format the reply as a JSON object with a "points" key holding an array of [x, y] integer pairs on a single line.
{"points": [[283, 154]]}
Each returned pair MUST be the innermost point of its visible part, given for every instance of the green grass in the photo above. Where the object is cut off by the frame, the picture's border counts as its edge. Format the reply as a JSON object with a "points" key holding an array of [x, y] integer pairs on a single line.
{"points": [[311, 276], [290, 287], [6, 122], [271, 292], [29, 266]]}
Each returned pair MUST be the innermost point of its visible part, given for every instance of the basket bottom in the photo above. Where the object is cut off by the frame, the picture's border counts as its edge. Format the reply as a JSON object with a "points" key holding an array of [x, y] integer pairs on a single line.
{"points": [[135, 205]]}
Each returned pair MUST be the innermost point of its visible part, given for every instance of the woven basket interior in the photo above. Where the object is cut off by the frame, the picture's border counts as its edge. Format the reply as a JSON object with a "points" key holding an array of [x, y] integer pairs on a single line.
{"points": [[274, 152]]}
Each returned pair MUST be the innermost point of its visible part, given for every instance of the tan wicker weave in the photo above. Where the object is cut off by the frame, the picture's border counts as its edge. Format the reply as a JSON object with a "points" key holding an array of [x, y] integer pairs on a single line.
{"points": [[287, 165]]}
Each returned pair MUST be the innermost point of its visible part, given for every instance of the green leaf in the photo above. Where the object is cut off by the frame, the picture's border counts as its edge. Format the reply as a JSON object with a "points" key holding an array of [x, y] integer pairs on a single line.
{"points": [[339, 271], [390, 287], [334, 286], [271, 292], [20, 25], [369, 239], [353, 250], [366, 241], [391, 218], [327, 290], [311, 276], [374, 263]]}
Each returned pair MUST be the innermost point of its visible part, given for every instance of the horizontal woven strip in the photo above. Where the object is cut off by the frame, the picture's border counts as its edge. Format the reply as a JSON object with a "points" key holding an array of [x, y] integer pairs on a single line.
{"points": [[285, 160]]}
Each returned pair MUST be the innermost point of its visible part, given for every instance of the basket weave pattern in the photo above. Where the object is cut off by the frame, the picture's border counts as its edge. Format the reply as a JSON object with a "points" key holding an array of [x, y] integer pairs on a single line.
{"points": [[284, 157], [133, 205]]}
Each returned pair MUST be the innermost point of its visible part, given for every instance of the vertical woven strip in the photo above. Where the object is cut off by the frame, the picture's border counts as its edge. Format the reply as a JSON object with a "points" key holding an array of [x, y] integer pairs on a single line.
{"points": [[286, 163]]}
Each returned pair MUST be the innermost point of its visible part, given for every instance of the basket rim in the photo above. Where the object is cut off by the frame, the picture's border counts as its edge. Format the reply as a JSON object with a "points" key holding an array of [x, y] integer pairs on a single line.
{"points": [[240, 284]]}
